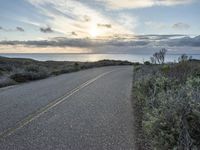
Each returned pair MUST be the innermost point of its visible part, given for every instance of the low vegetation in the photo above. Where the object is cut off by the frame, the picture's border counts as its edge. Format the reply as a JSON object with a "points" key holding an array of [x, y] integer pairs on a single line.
{"points": [[18, 70], [166, 101]]}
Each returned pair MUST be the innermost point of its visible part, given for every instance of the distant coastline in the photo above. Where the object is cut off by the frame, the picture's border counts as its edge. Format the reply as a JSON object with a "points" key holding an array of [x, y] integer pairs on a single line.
{"points": [[92, 57]]}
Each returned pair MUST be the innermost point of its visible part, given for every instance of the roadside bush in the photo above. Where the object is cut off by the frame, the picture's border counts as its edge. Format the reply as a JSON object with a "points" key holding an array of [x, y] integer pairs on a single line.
{"points": [[1, 73], [32, 68], [184, 58], [23, 70], [6, 68], [64, 70], [147, 63], [170, 117], [76, 66], [181, 71], [136, 63], [136, 68], [165, 69], [28, 76], [4, 81]]}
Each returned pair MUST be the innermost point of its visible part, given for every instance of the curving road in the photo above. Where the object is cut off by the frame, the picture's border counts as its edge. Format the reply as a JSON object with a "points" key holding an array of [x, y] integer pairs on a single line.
{"points": [[86, 110]]}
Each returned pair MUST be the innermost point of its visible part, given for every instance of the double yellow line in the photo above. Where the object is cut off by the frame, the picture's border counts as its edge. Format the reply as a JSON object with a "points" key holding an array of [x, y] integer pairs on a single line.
{"points": [[49, 106]]}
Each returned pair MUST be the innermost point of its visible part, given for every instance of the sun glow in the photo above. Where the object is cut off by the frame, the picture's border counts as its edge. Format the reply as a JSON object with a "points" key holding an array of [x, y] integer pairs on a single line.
{"points": [[94, 32]]}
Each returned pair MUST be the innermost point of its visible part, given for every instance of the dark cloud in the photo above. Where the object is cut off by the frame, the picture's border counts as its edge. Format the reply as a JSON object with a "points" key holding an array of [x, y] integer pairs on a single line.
{"points": [[74, 33], [105, 25], [127, 43], [150, 37], [86, 18], [163, 37], [83, 43], [139, 41], [181, 26], [20, 29], [46, 30], [56, 42], [185, 41]]}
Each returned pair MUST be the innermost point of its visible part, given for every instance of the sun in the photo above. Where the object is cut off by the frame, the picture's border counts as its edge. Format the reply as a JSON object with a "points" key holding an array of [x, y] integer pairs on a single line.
{"points": [[94, 32]]}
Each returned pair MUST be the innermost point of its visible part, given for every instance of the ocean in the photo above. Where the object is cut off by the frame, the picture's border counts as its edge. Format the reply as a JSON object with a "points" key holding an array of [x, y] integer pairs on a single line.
{"points": [[93, 57]]}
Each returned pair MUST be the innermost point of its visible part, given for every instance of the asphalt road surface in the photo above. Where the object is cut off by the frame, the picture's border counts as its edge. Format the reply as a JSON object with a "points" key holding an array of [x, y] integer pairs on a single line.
{"points": [[86, 110]]}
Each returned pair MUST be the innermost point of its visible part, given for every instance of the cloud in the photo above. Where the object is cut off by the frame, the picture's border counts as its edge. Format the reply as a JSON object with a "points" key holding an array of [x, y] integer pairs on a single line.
{"points": [[20, 29], [162, 25], [55, 42], [139, 41], [6, 30], [46, 30], [105, 25], [129, 4], [156, 25], [81, 43], [75, 15], [74, 33], [182, 42], [181, 26], [128, 21], [157, 38], [86, 18]]}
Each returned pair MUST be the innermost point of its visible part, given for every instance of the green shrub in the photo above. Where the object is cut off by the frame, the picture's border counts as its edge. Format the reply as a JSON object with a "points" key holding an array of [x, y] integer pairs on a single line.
{"points": [[136, 64], [76, 66], [147, 63], [170, 109], [22, 70], [1, 73], [7, 68], [165, 69], [136, 68], [184, 58], [28, 76], [4, 81], [32, 68]]}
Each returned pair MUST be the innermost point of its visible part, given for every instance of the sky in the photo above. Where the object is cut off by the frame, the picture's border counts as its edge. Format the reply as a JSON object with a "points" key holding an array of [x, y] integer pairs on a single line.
{"points": [[99, 26]]}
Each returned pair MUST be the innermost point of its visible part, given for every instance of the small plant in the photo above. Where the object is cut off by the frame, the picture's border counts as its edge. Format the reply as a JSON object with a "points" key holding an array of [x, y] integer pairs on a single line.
{"points": [[147, 63], [76, 66], [136, 68], [165, 69], [1, 73], [184, 58], [136, 63], [32, 68]]}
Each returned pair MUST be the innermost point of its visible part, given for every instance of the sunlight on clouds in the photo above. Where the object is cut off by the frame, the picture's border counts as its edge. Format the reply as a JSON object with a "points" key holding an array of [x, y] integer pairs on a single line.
{"points": [[122, 4], [94, 32], [29, 49], [74, 16]]}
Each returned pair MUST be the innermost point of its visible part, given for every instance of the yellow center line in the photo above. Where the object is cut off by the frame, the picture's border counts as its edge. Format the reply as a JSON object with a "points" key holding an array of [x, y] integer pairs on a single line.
{"points": [[49, 106]]}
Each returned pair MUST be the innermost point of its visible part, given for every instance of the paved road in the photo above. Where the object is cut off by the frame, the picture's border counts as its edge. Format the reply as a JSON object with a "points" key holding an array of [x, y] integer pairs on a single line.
{"points": [[86, 110]]}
